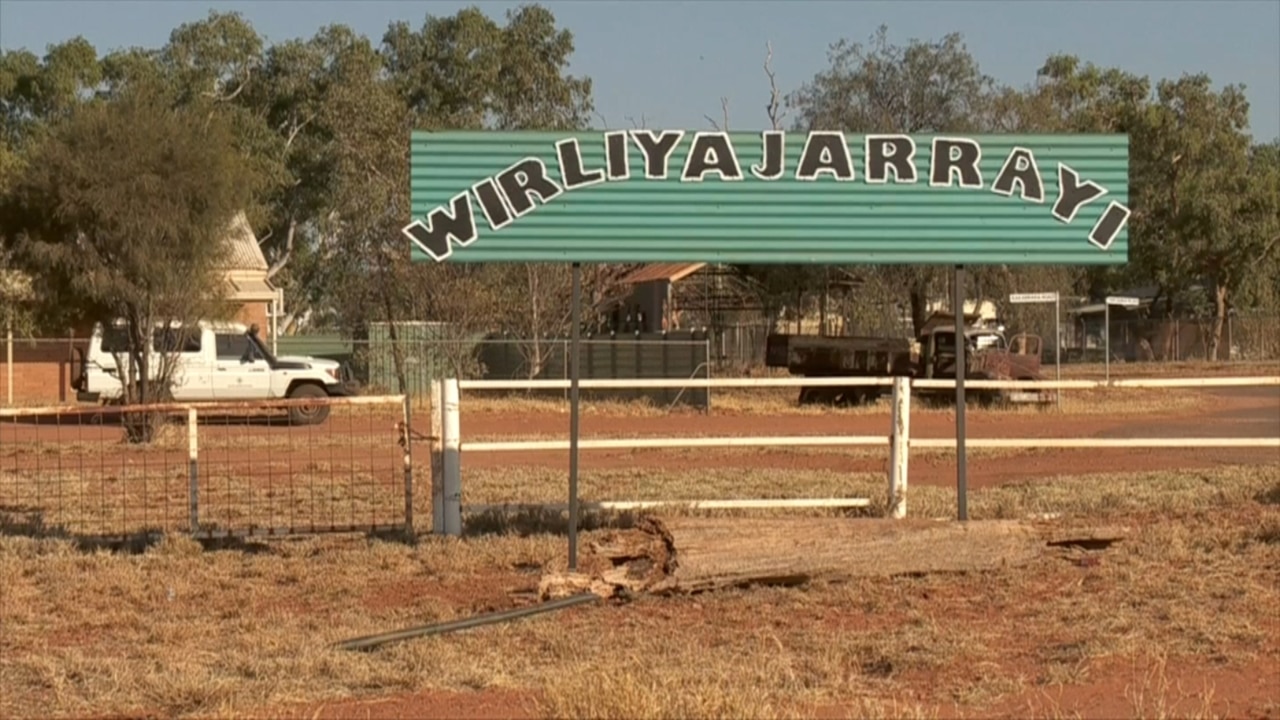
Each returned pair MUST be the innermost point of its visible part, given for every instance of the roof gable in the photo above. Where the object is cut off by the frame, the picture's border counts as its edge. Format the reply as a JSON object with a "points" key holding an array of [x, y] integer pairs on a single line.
{"points": [[244, 252]]}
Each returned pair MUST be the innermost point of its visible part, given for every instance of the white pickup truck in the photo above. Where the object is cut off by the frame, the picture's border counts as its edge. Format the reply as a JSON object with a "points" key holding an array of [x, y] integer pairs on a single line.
{"points": [[222, 362]]}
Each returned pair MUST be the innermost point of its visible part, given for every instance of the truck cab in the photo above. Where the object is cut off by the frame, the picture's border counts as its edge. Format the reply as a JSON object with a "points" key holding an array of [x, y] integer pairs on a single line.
{"points": [[212, 362], [988, 356]]}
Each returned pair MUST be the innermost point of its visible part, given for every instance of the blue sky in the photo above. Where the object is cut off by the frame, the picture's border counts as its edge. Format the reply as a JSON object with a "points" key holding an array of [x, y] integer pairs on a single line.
{"points": [[670, 62]]}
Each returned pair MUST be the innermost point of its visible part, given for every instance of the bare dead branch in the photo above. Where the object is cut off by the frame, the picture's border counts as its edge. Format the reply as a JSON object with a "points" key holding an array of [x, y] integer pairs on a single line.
{"points": [[297, 128], [774, 108], [722, 126], [283, 260], [223, 97]]}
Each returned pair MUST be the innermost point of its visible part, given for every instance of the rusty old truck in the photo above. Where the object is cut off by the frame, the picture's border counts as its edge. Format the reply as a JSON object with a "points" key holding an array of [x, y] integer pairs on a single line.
{"points": [[932, 354]]}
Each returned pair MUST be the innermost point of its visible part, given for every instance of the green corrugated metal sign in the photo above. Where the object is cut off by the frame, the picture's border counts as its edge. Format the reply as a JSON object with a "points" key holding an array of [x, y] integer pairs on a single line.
{"points": [[772, 197]]}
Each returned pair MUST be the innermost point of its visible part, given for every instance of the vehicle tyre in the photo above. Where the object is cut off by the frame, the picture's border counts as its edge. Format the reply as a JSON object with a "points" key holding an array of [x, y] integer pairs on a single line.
{"points": [[308, 414]]}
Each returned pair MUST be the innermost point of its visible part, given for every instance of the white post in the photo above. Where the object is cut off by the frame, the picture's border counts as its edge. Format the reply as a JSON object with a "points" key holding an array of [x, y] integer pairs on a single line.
{"points": [[1123, 301], [193, 470], [277, 303], [452, 459], [8, 361], [899, 447], [437, 456], [1057, 345]]}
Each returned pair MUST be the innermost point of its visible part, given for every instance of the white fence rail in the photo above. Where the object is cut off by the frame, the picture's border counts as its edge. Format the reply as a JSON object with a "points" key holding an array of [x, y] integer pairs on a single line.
{"points": [[786, 382], [448, 445]]}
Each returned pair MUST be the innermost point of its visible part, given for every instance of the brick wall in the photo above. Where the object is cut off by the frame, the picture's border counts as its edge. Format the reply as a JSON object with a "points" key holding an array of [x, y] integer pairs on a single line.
{"points": [[42, 369], [251, 313]]}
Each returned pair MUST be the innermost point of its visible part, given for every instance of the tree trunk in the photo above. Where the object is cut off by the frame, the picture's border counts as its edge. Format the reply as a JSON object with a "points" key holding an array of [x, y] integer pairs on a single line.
{"points": [[534, 355], [918, 309], [137, 386], [685, 555], [1219, 319], [397, 351], [1171, 348], [799, 312], [822, 304]]}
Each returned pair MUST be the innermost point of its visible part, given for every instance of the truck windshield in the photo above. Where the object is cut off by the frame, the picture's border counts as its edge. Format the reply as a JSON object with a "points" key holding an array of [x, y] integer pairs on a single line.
{"points": [[987, 340], [115, 339]]}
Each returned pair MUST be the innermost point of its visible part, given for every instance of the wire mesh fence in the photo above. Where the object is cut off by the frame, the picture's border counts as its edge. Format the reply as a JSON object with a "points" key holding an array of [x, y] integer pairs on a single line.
{"points": [[414, 360], [240, 470], [42, 369], [1140, 339]]}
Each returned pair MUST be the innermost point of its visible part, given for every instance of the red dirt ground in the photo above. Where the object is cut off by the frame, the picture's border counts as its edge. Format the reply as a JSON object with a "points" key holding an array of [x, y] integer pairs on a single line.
{"points": [[1232, 413], [1250, 691], [1240, 692], [1245, 412], [486, 705]]}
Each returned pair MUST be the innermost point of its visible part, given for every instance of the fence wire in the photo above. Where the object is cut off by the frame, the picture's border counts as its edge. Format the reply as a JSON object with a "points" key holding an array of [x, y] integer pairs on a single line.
{"points": [[42, 369], [73, 472]]}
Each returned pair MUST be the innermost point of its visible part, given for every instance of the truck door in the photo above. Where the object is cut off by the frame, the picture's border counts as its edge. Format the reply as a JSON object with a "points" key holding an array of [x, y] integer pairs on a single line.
{"points": [[239, 373], [943, 361], [192, 376]]}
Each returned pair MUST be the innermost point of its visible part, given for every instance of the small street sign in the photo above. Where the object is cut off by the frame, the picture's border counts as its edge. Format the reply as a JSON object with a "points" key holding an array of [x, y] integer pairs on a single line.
{"points": [[1023, 298]]}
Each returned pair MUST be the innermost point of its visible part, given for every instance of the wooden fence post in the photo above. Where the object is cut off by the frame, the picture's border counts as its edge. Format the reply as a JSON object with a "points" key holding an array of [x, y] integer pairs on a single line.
{"points": [[899, 447], [437, 456], [452, 459]]}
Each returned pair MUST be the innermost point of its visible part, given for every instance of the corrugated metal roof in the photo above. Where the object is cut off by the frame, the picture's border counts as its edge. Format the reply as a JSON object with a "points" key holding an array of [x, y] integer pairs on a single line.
{"points": [[672, 272], [752, 220], [244, 254]]}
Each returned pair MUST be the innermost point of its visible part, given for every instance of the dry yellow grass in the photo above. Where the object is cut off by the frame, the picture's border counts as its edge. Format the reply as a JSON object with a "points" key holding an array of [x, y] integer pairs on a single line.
{"points": [[1086, 496], [782, 401], [184, 632], [89, 499], [111, 500], [1189, 368]]}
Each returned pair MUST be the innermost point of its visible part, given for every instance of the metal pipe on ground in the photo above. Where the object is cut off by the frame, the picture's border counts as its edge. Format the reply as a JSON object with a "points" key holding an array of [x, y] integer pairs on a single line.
{"points": [[370, 642]]}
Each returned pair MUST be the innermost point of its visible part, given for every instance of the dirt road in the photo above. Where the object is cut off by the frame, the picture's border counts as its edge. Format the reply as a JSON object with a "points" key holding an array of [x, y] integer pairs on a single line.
{"points": [[1242, 412], [1246, 412]]}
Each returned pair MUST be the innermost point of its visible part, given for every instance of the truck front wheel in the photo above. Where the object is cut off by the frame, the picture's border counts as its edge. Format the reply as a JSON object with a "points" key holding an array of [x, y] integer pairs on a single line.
{"points": [[308, 414]]}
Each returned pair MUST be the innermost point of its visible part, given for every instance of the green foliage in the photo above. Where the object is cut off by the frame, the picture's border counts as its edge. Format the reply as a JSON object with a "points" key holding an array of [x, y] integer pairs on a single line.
{"points": [[1203, 210], [466, 71], [123, 210], [920, 87], [317, 129]]}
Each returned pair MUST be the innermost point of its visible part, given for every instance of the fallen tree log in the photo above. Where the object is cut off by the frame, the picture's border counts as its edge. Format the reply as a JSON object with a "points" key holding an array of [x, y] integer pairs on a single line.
{"points": [[687, 555]]}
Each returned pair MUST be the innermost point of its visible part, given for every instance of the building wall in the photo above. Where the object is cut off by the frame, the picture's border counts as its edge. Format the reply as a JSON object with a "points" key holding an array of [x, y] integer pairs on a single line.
{"points": [[42, 371], [256, 312]]}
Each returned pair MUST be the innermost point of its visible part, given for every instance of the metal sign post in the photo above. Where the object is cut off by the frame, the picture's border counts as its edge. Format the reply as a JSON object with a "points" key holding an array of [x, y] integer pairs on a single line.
{"points": [[575, 349], [1048, 297], [8, 361], [962, 347], [1122, 301]]}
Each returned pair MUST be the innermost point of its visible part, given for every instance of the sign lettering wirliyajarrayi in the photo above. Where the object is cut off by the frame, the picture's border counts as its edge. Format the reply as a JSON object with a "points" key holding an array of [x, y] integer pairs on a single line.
{"points": [[954, 162]]}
